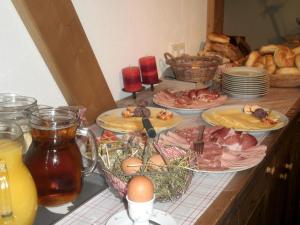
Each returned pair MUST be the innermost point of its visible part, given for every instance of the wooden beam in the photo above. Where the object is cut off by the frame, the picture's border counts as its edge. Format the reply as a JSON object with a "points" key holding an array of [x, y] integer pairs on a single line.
{"points": [[57, 32], [215, 16]]}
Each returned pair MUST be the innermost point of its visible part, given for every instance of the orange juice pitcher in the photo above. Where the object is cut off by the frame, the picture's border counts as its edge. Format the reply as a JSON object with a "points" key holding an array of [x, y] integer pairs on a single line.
{"points": [[18, 195]]}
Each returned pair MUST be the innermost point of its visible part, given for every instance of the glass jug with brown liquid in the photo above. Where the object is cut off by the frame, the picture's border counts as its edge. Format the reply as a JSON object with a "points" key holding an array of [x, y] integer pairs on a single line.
{"points": [[54, 158]]}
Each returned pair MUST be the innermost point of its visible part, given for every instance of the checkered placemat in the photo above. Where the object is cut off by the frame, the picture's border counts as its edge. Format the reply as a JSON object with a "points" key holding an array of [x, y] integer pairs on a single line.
{"points": [[203, 190], [201, 193]]}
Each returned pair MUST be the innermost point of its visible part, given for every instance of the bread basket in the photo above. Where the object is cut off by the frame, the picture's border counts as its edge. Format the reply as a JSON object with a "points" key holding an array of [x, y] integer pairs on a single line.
{"points": [[277, 80], [193, 68]]}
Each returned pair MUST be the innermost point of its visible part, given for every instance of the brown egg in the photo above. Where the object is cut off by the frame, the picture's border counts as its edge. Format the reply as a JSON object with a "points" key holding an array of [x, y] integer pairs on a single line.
{"points": [[131, 165], [140, 189], [156, 162]]}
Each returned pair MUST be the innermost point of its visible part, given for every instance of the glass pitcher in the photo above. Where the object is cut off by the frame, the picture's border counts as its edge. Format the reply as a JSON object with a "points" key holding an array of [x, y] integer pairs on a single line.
{"points": [[54, 159], [13, 107], [18, 196]]}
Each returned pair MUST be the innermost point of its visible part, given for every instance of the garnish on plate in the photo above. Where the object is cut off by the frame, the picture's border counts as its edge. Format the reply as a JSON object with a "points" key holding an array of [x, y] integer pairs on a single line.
{"points": [[136, 111], [260, 113], [164, 115]]}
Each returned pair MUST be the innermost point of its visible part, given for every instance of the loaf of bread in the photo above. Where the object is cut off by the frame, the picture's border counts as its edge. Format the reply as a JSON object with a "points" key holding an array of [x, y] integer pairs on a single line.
{"points": [[284, 57], [230, 49], [218, 38]]}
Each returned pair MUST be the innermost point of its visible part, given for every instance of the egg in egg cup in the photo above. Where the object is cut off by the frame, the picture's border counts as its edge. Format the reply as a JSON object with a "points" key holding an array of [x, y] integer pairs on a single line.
{"points": [[140, 198]]}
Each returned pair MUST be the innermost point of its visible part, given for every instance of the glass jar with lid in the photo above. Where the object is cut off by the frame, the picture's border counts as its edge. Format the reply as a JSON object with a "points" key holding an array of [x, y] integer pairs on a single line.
{"points": [[16, 108]]}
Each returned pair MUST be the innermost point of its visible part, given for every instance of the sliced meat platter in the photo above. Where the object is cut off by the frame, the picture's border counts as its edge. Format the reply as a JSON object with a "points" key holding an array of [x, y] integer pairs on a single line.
{"points": [[225, 150], [189, 99]]}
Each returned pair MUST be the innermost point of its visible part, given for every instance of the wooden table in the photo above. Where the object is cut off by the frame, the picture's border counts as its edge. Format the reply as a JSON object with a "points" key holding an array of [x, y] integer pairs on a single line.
{"points": [[270, 192]]}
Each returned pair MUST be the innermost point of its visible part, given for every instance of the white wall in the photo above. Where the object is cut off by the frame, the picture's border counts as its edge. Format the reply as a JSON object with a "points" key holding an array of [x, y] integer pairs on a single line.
{"points": [[22, 69], [120, 32]]}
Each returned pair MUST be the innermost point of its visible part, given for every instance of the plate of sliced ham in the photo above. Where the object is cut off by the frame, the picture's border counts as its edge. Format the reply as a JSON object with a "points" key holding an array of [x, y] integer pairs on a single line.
{"points": [[225, 150], [189, 101]]}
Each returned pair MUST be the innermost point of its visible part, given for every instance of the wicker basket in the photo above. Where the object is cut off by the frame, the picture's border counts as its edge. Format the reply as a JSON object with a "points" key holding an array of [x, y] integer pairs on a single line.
{"points": [[277, 80], [116, 182], [119, 187], [193, 68]]}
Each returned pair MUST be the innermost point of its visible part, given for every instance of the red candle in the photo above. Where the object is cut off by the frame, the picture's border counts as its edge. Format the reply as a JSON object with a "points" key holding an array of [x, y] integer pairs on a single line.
{"points": [[149, 70], [132, 79]]}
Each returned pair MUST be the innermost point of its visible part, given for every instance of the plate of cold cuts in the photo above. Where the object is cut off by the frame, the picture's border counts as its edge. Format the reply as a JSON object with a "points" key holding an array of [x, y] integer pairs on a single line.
{"points": [[225, 150], [189, 101]]}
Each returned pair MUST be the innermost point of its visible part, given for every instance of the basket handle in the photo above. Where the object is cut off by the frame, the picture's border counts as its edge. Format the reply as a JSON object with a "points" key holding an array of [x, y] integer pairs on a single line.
{"points": [[169, 57]]}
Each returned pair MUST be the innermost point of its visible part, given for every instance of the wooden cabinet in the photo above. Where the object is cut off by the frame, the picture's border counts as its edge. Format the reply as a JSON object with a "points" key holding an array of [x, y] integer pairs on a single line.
{"points": [[272, 194], [278, 191]]}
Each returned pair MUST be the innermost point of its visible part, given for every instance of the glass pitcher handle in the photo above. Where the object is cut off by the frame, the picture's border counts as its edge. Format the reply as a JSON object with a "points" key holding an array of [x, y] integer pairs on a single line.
{"points": [[93, 146], [6, 212]]}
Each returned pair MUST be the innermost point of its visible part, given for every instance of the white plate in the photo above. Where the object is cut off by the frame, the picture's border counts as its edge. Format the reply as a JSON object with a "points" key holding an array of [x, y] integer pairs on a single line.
{"points": [[245, 88], [231, 170], [246, 84], [262, 77], [245, 91], [180, 110], [282, 118], [119, 129], [158, 216], [260, 80], [243, 96], [244, 71], [183, 110]]}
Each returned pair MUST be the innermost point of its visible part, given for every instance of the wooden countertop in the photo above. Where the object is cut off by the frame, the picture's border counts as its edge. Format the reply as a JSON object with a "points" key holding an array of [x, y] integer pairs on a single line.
{"points": [[284, 100]]}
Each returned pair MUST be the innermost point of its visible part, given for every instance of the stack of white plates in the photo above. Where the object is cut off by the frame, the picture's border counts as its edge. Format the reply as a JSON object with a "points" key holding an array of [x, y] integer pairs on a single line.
{"points": [[245, 82]]}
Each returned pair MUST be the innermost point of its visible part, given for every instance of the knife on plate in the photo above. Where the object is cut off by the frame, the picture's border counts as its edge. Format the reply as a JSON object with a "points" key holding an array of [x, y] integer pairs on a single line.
{"points": [[148, 127]]}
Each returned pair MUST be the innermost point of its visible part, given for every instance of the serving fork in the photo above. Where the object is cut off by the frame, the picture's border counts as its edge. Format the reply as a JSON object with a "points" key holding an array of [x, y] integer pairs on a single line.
{"points": [[198, 145]]}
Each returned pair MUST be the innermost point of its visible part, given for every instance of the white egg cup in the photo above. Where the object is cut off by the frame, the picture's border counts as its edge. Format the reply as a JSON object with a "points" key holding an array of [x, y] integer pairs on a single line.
{"points": [[140, 212]]}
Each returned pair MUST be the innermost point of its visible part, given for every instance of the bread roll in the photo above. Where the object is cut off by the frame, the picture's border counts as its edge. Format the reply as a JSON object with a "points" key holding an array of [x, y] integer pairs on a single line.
{"points": [[207, 46], [266, 62], [297, 61], [228, 50], [259, 65], [219, 38], [267, 49], [284, 57], [270, 65], [252, 58], [288, 71], [296, 50], [261, 60]]}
